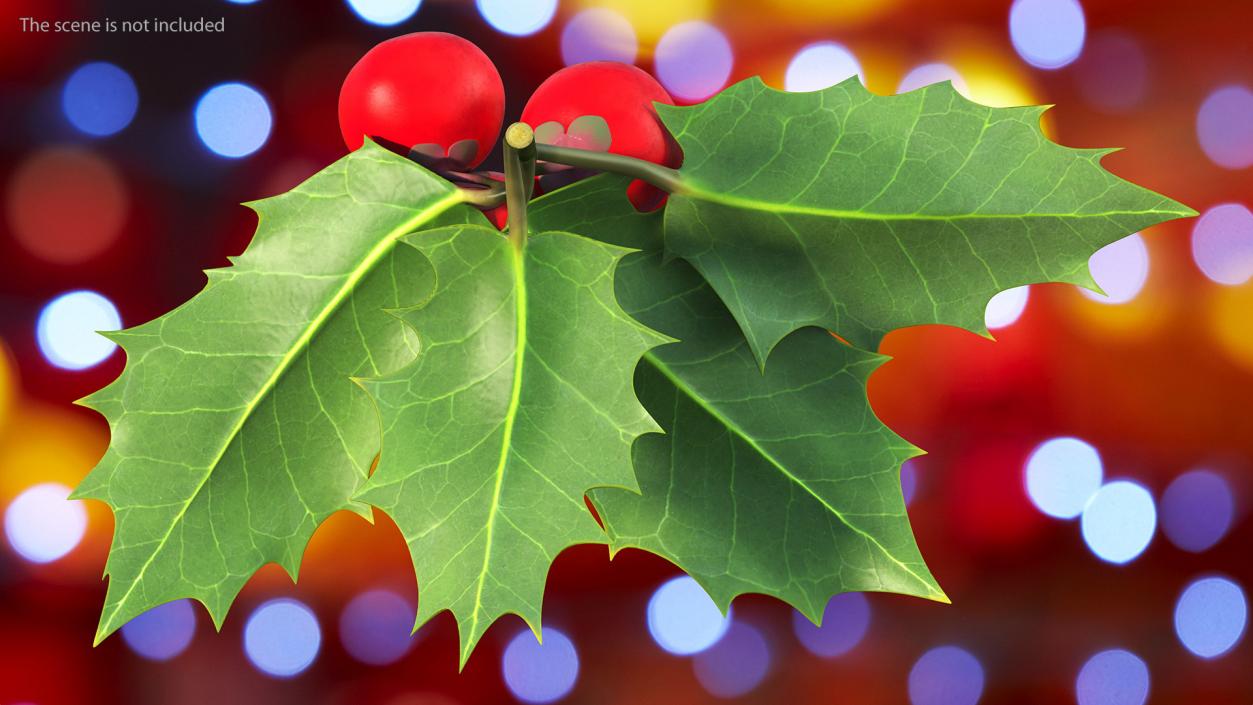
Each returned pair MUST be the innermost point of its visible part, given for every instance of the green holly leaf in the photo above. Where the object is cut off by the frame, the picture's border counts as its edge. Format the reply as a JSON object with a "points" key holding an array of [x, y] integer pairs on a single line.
{"points": [[236, 429], [862, 213], [519, 403], [782, 483]]}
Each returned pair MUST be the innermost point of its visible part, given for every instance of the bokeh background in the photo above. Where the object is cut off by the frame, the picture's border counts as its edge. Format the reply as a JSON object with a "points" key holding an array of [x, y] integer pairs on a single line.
{"points": [[1086, 497]]}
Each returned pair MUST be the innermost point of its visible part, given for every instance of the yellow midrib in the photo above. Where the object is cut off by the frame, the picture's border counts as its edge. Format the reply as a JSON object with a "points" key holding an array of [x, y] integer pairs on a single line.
{"points": [[346, 289]]}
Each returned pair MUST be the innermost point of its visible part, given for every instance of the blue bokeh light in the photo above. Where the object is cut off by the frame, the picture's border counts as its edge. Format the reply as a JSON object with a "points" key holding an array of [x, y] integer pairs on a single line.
{"points": [[1047, 34], [1197, 510], [821, 65], [1119, 521], [598, 34], [736, 665], [909, 481], [42, 524], [233, 120], [540, 674], [384, 13], [67, 330], [1210, 616], [282, 638], [162, 632], [1062, 475], [1006, 307], [376, 627], [693, 60], [844, 624], [100, 99], [946, 675], [683, 619], [518, 17], [1224, 126], [1113, 677]]}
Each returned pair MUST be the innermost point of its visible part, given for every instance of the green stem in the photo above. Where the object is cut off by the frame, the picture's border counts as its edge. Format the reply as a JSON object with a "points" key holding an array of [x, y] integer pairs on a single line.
{"points": [[483, 198], [520, 155], [662, 177]]}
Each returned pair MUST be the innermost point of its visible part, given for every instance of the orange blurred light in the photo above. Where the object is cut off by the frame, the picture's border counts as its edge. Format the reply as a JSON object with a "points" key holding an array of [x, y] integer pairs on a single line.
{"points": [[835, 12], [8, 384], [651, 19], [66, 205], [1230, 316]]}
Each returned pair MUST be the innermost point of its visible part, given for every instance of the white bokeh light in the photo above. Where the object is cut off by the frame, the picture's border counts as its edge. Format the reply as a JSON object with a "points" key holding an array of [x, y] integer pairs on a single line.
{"points": [[42, 524], [1047, 34], [819, 66], [384, 13], [1224, 127], [68, 330], [1120, 268], [693, 60], [1006, 307], [518, 17], [1062, 474], [598, 34], [1222, 244], [163, 632], [928, 74], [683, 619], [1119, 522]]}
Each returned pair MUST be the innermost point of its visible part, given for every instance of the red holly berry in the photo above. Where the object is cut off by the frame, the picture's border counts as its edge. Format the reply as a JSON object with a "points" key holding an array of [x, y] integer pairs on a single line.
{"points": [[623, 96], [431, 94]]}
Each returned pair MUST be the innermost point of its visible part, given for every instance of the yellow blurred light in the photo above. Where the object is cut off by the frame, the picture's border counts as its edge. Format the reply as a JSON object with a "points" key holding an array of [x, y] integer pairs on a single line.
{"points": [[44, 443], [994, 76], [652, 18], [8, 384], [1139, 318], [1230, 317], [832, 11]]}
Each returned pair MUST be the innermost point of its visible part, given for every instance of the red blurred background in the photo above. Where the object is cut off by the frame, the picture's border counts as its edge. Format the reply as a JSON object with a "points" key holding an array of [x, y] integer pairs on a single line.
{"points": [[1158, 378]]}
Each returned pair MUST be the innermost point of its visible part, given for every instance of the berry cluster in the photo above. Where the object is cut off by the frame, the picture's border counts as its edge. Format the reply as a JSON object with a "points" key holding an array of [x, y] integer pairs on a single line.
{"points": [[439, 99]]}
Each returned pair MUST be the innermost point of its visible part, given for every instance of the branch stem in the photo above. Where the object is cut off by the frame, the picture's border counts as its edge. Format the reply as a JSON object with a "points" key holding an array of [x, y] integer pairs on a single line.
{"points": [[520, 155], [662, 177]]}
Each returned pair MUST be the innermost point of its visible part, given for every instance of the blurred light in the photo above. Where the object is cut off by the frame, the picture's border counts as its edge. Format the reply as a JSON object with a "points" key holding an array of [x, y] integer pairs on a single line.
{"points": [[693, 60], [242, 2], [377, 627], [1006, 307], [1224, 126], [42, 524], [67, 330], [909, 480], [844, 624], [946, 675], [1062, 475], [736, 664], [384, 12], [1118, 523], [66, 205], [1197, 510], [233, 120], [598, 34], [1222, 243], [100, 99], [1047, 34], [1210, 616], [683, 619], [162, 632], [1114, 72], [1113, 677], [282, 638], [518, 17], [1120, 269], [927, 74], [652, 19], [8, 383], [1229, 318], [819, 66], [540, 674]]}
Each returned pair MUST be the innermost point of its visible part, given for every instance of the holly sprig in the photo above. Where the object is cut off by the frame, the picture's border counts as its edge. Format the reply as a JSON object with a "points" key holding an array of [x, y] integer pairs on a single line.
{"points": [[676, 367]]}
